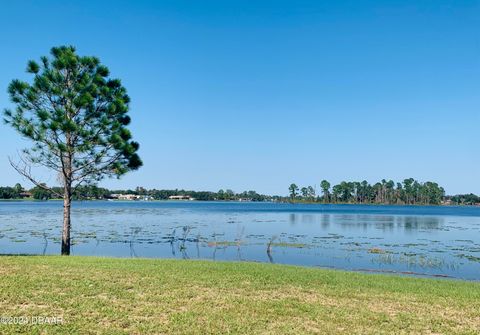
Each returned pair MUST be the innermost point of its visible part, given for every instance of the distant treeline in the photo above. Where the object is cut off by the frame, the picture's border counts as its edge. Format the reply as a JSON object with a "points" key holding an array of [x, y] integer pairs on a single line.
{"points": [[94, 192], [409, 191], [463, 199]]}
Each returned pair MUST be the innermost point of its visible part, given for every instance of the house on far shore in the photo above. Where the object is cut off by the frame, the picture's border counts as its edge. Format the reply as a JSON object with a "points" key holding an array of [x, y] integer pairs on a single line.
{"points": [[125, 196], [180, 197], [25, 195], [446, 202], [130, 197]]}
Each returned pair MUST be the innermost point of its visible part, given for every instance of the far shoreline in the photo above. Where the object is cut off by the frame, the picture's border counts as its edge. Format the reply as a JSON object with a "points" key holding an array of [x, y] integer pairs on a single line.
{"points": [[239, 202]]}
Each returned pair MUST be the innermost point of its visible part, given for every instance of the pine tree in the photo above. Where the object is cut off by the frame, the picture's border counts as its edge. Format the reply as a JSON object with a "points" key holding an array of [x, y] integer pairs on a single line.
{"points": [[76, 116]]}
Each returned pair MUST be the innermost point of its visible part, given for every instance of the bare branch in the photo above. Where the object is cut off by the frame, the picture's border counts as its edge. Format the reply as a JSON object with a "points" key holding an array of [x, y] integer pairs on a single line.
{"points": [[24, 169]]}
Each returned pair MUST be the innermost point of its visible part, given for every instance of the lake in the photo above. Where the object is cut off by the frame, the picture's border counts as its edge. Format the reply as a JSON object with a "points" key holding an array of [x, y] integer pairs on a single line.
{"points": [[417, 240]]}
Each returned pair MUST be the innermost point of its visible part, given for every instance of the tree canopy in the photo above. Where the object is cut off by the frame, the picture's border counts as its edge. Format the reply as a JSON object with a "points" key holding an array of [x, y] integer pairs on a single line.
{"points": [[74, 113]]}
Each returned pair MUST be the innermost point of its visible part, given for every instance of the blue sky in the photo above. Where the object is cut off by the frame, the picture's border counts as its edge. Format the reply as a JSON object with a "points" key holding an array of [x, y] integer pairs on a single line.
{"points": [[259, 94]]}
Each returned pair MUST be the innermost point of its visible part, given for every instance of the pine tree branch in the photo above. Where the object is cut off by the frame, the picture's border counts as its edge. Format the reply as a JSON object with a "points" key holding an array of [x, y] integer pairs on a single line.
{"points": [[25, 171]]}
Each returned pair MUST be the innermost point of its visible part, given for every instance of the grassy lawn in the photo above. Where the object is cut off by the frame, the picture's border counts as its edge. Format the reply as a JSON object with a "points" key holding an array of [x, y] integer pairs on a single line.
{"points": [[137, 296]]}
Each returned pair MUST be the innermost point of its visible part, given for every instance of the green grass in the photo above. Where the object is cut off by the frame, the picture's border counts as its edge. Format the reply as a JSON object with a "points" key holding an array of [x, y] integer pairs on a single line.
{"points": [[137, 296]]}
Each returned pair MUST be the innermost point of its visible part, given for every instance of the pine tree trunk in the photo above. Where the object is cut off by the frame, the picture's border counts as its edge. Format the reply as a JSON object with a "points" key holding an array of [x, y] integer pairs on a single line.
{"points": [[67, 194], [67, 201]]}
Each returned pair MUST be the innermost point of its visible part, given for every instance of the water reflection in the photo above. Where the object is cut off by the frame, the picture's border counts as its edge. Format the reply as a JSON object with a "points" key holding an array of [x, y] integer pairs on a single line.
{"points": [[325, 220], [384, 222], [419, 222], [269, 249], [44, 252]]}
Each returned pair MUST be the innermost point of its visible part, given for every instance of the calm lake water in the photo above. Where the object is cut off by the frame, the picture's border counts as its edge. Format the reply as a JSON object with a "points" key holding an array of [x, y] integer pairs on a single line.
{"points": [[425, 241]]}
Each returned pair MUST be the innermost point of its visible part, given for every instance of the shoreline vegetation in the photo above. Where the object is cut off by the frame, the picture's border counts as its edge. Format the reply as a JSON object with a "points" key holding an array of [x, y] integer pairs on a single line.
{"points": [[133, 296], [408, 192]]}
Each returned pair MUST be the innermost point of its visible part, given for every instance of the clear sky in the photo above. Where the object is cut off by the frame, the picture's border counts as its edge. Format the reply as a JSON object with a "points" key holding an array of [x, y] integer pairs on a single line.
{"points": [[259, 94]]}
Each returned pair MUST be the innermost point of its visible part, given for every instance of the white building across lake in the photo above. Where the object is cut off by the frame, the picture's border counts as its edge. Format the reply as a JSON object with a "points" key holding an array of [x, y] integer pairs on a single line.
{"points": [[180, 197]]}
